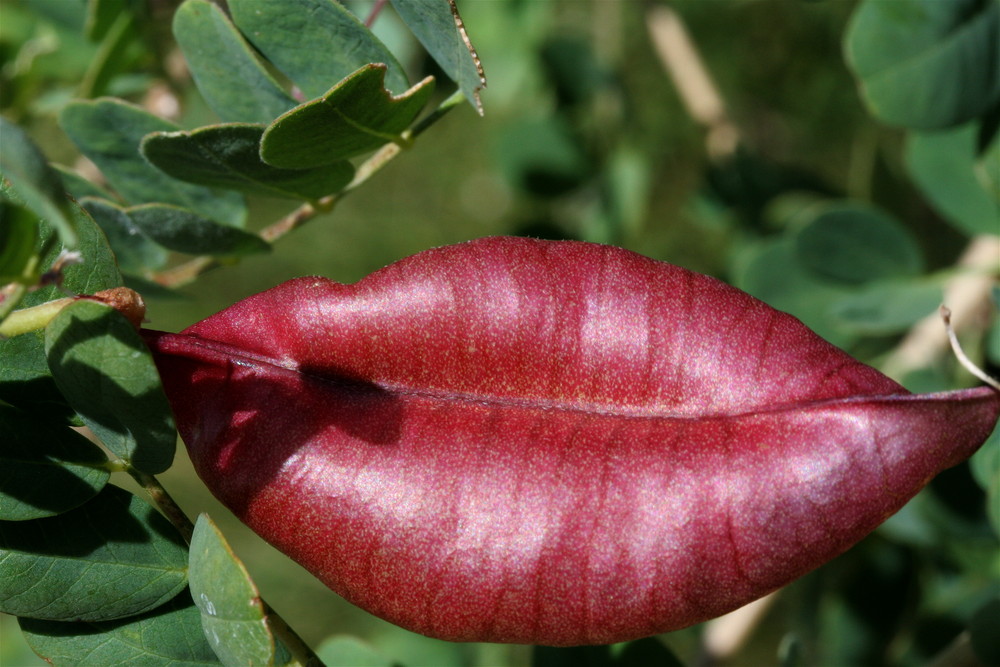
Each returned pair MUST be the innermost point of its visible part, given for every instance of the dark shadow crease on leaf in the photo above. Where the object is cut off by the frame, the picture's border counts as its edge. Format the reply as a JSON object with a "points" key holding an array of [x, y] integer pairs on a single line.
{"points": [[46, 468]]}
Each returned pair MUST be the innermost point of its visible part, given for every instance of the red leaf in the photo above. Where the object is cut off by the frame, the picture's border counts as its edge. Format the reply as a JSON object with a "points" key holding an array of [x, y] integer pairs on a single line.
{"points": [[549, 442]]}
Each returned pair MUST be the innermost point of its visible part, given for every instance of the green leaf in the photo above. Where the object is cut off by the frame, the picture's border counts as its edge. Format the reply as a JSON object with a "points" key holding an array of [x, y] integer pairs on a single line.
{"points": [[350, 651], [45, 469], [25, 380], [231, 79], [852, 243], [18, 239], [112, 557], [772, 272], [887, 307], [228, 156], [439, 28], [926, 64], [181, 230], [943, 164], [232, 614], [109, 132], [356, 116], [168, 636], [315, 42], [106, 372], [37, 185], [135, 251]]}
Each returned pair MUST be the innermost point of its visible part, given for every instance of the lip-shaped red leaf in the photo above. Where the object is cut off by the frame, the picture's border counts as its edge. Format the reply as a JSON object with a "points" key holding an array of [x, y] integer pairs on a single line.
{"points": [[542, 442]]}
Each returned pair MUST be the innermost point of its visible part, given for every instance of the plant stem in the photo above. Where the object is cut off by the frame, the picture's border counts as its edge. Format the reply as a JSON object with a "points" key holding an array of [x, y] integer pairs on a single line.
{"points": [[189, 271], [376, 10], [301, 653], [164, 502]]}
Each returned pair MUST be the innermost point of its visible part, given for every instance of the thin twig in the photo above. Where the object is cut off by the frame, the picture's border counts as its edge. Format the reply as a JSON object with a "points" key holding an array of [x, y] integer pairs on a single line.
{"points": [[694, 83], [373, 14], [967, 295], [956, 347], [164, 502]]}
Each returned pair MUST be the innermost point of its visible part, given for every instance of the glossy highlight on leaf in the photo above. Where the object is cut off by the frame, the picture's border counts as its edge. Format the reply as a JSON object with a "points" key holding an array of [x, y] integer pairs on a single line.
{"points": [[559, 443]]}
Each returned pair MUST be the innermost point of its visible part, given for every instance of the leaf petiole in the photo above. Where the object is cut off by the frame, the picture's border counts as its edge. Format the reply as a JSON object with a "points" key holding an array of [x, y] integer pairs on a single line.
{"points": [[960, 353]]}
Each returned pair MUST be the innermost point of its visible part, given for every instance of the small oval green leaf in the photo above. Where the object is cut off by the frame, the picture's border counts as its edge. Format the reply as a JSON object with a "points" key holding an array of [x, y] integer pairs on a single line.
{"points": [[228, 156], [886, 307], [232, 614], [315, 42], [231, 79], [106, 373], [184, 231], [852, 243], [18, 239], [356, 116], [168, 636], [112, 557], [25, 380]]}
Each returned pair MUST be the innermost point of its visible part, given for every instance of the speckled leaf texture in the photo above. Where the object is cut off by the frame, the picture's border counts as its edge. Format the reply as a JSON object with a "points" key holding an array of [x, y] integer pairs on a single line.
{"points": [[558, 443]]}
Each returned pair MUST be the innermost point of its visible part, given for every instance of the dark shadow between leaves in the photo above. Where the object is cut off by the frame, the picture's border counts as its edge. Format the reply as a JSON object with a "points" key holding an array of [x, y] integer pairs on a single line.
{"points": [[102, 520], [143, 418], [72, 629], [39, 453]]}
